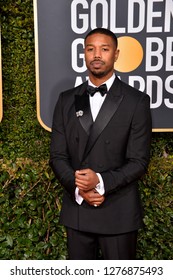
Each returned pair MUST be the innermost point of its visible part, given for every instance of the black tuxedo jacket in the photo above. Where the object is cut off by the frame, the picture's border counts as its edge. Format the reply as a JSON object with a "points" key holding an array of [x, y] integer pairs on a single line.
{"points": [[116, 145]]}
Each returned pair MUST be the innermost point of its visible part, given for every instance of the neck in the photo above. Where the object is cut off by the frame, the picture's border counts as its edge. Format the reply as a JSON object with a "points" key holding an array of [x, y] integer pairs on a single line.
{"points": [[97, 81]]}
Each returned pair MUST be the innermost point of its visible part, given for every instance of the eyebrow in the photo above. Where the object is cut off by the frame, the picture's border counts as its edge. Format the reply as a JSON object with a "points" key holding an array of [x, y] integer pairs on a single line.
{"points": [[103, 45]]}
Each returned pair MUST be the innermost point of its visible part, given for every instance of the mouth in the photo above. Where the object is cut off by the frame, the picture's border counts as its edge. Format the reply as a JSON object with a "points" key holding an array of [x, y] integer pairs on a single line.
{"points": [[97, 63]]}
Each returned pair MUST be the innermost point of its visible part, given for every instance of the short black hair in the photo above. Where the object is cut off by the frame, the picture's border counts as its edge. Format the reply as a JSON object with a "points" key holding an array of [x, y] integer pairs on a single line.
{"points": [[104, 31]]}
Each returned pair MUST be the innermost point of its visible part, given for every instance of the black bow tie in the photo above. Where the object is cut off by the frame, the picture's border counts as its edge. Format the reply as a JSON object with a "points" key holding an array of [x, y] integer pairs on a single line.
{"points": [[92, 90]]}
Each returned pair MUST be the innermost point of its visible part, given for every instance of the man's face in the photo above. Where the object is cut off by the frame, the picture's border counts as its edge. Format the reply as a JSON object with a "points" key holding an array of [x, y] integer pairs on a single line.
{"points": [[100, 55]]}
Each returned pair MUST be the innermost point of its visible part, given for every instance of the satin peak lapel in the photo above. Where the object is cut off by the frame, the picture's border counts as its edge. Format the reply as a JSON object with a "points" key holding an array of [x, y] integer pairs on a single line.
{"points": [[83, 112]]}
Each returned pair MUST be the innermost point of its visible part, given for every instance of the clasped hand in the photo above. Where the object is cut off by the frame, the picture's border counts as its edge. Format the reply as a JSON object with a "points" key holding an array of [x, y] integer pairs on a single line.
{"points": [[86, 181]]}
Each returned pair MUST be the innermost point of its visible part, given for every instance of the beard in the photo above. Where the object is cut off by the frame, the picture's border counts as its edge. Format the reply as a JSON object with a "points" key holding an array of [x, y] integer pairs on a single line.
{"points": [[96, 72], [100, 73]]}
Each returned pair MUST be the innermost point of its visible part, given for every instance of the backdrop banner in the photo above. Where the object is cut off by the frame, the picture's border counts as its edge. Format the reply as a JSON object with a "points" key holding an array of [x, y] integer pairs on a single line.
{"points": [[145, 36]]}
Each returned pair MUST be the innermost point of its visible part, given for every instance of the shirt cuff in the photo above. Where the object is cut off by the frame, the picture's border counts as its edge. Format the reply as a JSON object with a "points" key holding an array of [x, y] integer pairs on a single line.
{"points": [[78, 197], [100, 186]]}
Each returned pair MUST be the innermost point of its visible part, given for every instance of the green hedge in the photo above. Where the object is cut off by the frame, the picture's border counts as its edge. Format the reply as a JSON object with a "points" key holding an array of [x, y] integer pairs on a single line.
{"points": [[30, 201], [30, 197], [156, 239]]}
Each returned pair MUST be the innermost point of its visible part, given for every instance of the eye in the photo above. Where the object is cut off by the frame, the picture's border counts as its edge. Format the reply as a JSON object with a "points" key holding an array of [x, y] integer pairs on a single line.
{"points": [[89, 49], [105, 49]]}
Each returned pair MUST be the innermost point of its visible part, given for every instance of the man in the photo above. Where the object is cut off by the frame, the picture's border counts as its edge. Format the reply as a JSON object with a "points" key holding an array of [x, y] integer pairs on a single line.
{"points": [[99, 150]]}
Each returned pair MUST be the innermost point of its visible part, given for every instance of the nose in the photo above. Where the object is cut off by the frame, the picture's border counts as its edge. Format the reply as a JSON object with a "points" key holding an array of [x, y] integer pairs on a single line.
{"points": [[97, 53]]}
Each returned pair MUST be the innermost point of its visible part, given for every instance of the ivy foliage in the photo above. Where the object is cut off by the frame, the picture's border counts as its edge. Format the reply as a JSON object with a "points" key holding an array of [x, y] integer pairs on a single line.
{"points": [[155, 240], [20, 129], [30, 197], [30, 202]]}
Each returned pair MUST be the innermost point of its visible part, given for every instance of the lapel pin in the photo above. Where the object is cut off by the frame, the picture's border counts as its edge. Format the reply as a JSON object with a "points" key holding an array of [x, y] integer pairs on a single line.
{"points": [[79, 113]]}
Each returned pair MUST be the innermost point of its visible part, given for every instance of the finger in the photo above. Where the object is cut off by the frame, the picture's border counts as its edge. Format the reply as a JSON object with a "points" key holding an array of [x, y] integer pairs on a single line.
{"points": [[98, 199], [82, 178], [82, 171], [81, 183], [98, 203]]}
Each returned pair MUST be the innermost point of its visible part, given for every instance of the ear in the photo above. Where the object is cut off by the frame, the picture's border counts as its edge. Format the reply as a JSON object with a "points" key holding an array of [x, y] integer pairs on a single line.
{"points": [[116, 54]]}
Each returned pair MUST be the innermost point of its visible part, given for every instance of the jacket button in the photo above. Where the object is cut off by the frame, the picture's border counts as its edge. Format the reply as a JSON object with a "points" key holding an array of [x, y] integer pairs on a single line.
{"points": [[107, 142]]}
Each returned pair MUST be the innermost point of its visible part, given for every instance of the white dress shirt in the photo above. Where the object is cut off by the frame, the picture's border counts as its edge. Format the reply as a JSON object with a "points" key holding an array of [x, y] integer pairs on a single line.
{"points": [[96, 102]]}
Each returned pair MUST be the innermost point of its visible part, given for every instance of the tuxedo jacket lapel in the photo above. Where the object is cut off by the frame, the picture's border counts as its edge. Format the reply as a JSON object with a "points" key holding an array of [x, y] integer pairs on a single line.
{"points": [[108, 109], [83, 111]]}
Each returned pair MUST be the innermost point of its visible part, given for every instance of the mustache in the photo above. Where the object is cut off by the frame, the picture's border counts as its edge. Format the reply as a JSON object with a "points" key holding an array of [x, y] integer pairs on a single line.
{"points": [[97, 60]]}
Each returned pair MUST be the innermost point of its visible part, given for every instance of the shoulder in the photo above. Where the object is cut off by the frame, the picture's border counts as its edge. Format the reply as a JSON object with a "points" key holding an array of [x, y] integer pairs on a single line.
{"points": [[66, 98], [131, 92], [74, 91]]}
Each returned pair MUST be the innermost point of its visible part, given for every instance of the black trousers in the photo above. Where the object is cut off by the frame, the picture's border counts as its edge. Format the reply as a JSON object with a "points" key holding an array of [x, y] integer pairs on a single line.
{"points": [[91, 246]]}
